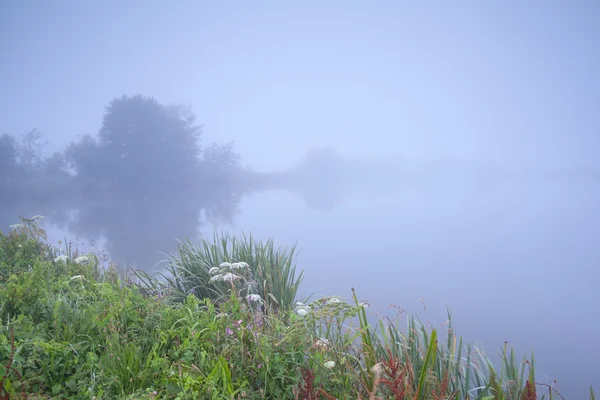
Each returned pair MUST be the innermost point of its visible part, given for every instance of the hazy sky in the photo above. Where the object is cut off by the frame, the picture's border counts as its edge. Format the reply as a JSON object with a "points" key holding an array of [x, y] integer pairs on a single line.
{"points": [[511, 83]]}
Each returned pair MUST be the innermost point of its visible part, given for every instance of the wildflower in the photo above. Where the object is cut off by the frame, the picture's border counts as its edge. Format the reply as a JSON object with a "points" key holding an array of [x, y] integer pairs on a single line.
{"points": [[322, 342], [329, 364], [61, 259], [16, 226], [81, 259], [225, 265], [363, 305], [218, 277], [254, 297], [228, 331], [229, 277], [239, 265], [299, 304], [333, 300], [258, 321], [302, 312], [213, 270], [37, 217]]}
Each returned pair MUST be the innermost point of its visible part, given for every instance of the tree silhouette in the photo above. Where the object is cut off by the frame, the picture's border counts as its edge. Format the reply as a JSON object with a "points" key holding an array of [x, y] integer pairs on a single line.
{"points": [[29, 183], [145, 179]]}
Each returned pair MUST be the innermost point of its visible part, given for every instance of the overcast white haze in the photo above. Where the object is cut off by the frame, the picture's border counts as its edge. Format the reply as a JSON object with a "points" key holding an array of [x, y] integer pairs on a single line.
{"points": [[455, 110]]}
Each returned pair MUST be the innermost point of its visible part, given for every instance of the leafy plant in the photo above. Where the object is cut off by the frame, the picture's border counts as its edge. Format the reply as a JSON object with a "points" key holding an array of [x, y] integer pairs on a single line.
{"points": [[271, 272]]}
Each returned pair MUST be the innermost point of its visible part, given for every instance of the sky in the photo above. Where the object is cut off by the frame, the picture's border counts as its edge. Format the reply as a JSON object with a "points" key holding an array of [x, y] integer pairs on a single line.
{"points": [[510, 84]]}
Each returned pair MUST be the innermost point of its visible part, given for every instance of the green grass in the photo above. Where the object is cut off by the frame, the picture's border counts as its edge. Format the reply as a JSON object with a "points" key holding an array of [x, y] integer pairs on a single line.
{"points": [[271, 271], [78, 327]]}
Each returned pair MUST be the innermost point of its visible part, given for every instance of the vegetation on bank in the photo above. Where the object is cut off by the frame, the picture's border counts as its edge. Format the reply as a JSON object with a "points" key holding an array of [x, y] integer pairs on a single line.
{"points": [[222, 322]]}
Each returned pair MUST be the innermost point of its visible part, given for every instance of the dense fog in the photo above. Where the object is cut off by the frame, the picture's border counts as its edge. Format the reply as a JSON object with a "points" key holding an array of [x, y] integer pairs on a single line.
{"points": [[430, 156]]}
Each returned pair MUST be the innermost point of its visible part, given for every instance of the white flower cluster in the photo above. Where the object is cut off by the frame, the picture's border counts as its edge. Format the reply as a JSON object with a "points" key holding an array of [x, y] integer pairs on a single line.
{"points": [[302, 309], [223, 273], [228, 277], [322, 343], [234, 266], [239, 265], [81, 259], [333, 300], [254, 298], [329, 364], [78, 260]]}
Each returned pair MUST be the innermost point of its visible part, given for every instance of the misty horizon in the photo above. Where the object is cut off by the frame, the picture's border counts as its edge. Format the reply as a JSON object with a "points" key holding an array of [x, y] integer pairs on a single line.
{"points": [[445, 154]]}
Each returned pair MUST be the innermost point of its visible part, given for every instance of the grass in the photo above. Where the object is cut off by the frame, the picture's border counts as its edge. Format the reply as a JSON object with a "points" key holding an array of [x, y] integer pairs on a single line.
{"points": [[222, 322], [270, 272]]}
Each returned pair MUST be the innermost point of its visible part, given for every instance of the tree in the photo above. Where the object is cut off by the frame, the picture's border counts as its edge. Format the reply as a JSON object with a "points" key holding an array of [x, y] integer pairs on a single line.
{"points": [[145, 179], [30, 183]]}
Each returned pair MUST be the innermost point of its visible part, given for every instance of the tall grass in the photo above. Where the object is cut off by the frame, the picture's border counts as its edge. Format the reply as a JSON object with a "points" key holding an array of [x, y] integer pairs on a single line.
{"points": [[272, 271]]}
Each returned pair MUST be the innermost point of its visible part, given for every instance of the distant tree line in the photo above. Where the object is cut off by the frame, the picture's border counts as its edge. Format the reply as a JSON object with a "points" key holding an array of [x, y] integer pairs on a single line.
{"points": [[142, 181], [145, 179]]}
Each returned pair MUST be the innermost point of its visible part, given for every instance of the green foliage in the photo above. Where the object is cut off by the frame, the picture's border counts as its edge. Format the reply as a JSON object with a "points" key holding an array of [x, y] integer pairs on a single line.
{"points": [[22, 245], [74, 330], [270, 272]]}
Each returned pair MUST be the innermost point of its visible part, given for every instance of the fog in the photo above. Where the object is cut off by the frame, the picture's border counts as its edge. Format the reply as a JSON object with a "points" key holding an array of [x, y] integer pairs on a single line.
{"points": [[428, 155]]}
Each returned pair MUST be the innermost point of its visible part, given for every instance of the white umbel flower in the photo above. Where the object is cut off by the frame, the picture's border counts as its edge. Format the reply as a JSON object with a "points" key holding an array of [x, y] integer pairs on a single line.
{"points": [[229, 277], [329, 364], [254, 297], [322, 342], [61, 259], [81, 259], [239, 265], [213, 270], [225, 265], [302, 312]]}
